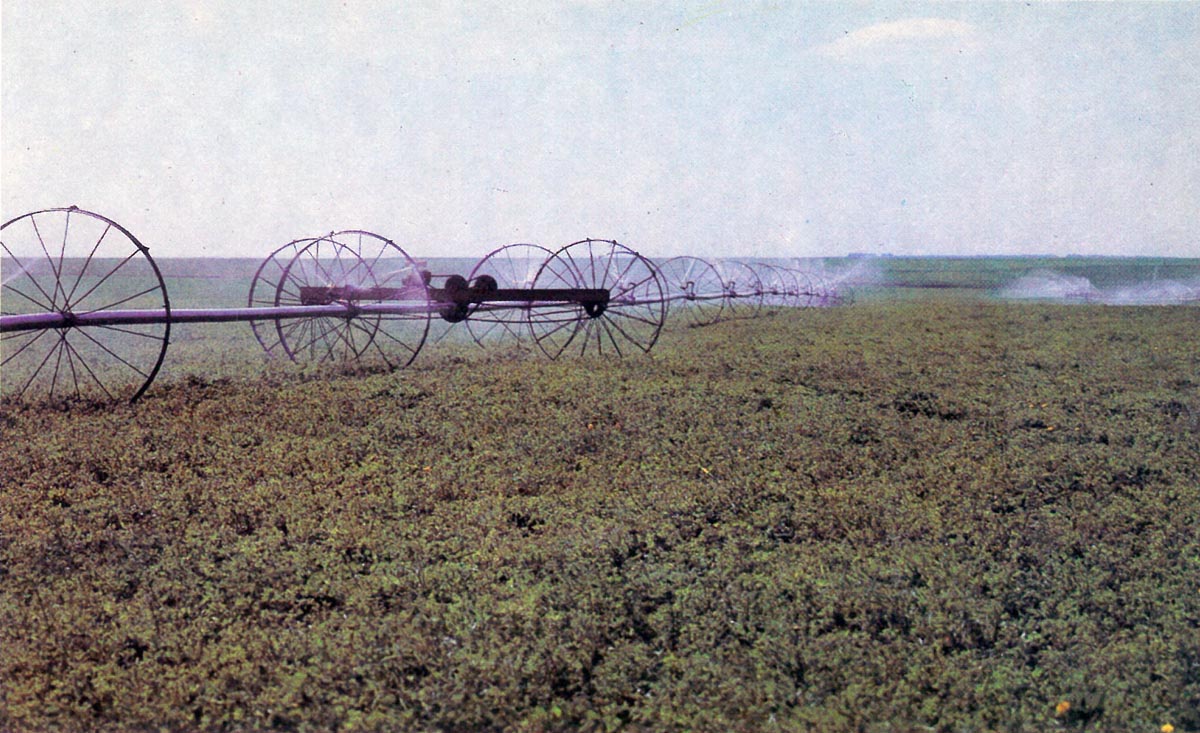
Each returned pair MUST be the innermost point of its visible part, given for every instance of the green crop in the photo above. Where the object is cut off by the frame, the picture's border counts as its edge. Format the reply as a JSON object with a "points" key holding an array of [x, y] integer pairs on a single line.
{"points": [[905, 516]]}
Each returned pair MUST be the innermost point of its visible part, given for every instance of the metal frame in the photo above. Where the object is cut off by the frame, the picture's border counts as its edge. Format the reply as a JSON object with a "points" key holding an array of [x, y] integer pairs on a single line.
{"points": [[328, 299]]}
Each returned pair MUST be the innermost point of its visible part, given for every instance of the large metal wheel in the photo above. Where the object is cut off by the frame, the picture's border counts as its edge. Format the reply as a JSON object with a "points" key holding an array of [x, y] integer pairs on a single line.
{"points": [[695, 289], [629, 323], [73, 262], [390, 330], [743, 290], [264, 292], [513, 266]]}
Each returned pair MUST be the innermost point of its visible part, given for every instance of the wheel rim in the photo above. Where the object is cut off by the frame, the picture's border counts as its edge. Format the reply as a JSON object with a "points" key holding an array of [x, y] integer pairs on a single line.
{"points": [[818, 292], [744, 292], [513, 266], [799, 278], [632, 318], [364, 260], [774, 289], [695, 289], [264, 292], [72, 261]]}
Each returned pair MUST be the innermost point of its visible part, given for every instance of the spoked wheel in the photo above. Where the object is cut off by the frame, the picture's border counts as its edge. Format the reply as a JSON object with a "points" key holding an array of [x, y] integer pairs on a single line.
{"points": [[395, 319], [792, 286], [798, 284], [695, 289], [511, 267], [74, 262], [743, 290], [774, 284], [264, 291], [628, 323]]}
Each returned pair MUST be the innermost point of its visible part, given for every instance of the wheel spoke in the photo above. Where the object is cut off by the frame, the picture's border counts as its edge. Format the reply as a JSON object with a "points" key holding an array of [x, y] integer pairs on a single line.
{"points": [[408, 347], [71, 365], [111, 353], [49, 304], [314, 324], [36, 371], [622, 313], [62, 253], [573, 267], [130, 331], [49, 258], [126, 299], [87, 262], [629, 338], [562, 324], [32, 335], [44, 306], [62, 337], [608, 331], [650, 277], [632, 261], [104, 279], [88, 369]]}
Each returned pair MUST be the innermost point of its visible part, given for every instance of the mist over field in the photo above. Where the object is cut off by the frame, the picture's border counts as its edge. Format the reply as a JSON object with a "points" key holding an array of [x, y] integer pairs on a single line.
{"points": [[1049, 285]]}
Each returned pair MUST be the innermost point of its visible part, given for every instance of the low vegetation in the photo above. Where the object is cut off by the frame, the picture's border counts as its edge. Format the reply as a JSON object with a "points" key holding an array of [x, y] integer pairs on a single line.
{"points": [[892, 516]]}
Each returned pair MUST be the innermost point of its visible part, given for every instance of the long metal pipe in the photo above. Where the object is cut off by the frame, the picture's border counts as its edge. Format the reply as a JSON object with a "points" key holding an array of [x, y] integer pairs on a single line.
{"points": [[514, 300], [34, 321]]}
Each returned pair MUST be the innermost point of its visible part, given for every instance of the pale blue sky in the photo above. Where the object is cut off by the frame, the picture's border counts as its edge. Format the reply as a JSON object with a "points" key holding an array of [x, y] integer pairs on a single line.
{"points": [[758, 128]]}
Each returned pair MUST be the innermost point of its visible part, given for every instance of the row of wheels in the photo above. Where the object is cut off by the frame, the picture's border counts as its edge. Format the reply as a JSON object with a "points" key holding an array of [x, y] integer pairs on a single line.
{"points": [[705, 292], [77, 263], [83, 266], [395, 300]]}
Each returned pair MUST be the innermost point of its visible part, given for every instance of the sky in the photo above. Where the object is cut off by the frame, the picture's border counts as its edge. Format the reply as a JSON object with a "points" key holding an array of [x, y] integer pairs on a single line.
{"points": [[769, 129]]}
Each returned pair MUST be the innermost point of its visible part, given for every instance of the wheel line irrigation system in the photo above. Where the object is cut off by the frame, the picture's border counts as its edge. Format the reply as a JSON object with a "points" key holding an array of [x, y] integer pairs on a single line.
{"points": [[85, 313]]}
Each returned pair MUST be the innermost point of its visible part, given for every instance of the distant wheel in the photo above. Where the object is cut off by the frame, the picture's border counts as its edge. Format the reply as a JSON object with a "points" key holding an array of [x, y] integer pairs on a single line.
{"points": [[774, 284], [395, 323], [71, 261], [789, 285], [628, 323], [512, 267], [264, 292], [743, 289], [695, 290], [801, 297]]}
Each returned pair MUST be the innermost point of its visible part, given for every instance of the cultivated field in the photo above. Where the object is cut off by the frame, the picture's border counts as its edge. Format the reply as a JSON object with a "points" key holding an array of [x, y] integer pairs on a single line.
{"points": [[939, 514]]}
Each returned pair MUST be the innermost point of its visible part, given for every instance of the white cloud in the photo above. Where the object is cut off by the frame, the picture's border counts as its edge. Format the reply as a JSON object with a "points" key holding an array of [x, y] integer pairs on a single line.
{"points": [[887, 38]]}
